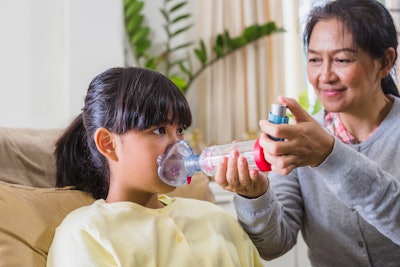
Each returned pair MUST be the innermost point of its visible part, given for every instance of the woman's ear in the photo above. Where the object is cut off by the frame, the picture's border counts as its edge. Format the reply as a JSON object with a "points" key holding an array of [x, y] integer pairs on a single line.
{"points": [[390, 56], [104, 140]]}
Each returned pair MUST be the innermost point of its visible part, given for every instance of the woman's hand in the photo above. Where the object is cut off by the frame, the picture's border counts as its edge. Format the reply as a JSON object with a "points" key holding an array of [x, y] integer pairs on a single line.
{"points": [[233, 175], [306, 142]]}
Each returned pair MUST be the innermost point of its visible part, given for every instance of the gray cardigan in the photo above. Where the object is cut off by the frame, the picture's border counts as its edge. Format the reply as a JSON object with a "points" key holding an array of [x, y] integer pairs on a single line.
{"points": [[348, 208]]}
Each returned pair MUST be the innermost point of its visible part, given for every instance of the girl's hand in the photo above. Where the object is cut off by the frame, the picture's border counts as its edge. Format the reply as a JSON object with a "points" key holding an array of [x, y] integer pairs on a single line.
{"points": [[306, 142], [233, 175]]}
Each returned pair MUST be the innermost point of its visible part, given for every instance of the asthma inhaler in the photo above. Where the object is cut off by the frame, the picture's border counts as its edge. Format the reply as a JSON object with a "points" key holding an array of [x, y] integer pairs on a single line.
{"points": [[277, 115], [179, 162]]}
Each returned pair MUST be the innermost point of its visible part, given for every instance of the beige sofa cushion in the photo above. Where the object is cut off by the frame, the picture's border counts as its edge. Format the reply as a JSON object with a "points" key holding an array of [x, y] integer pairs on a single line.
{"points": [[28, 219], [27, 156]]}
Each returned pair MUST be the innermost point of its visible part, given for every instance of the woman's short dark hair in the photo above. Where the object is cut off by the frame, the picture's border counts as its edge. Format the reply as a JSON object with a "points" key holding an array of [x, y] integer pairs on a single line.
{"points": [[370, 24], [119, 99]]}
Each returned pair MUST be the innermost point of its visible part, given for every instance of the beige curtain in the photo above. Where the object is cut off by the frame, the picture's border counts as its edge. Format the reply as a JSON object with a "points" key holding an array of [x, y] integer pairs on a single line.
{"points": [[236, 92]]}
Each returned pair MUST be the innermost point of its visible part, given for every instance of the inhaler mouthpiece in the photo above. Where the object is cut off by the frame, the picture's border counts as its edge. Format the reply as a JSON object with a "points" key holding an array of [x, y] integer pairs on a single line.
{"points": [[171, 164]]}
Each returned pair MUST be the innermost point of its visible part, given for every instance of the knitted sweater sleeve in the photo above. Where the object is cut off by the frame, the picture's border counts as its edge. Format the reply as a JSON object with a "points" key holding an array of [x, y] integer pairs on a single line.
{"points": [[272, 221], [364, 186]]}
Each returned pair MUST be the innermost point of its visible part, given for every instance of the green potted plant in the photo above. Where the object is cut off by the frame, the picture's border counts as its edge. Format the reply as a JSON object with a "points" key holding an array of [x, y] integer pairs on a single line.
{"points": [[169, 61]]}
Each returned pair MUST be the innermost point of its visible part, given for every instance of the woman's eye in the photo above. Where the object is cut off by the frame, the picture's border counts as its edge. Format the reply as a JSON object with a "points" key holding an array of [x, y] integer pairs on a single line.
{"points": [[160, 130], [313, 60], [342, 60]]}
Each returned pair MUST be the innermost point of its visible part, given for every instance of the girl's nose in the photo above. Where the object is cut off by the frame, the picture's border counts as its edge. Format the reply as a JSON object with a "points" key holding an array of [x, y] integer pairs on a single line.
{"points": [[174, 138]]}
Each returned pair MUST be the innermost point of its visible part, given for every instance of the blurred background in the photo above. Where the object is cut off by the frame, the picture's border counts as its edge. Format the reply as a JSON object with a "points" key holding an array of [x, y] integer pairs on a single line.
{"points": [[51, 49]]}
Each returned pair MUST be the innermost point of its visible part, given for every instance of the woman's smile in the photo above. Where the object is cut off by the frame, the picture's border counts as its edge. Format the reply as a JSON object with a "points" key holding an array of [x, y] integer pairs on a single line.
{"points": [[332, 92]]}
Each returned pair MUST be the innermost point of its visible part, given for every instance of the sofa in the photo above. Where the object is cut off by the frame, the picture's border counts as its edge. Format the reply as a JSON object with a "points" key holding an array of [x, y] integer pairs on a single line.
{"points": [[31, 207]]}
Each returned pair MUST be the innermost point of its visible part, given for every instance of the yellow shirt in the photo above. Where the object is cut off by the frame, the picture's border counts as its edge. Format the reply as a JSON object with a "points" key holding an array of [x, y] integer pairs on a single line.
{"points": [[187, 232]]}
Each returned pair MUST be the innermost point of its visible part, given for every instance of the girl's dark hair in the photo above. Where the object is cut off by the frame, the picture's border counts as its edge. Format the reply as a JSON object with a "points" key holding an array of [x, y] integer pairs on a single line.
{"points": [[369, 22], [119, 99]]}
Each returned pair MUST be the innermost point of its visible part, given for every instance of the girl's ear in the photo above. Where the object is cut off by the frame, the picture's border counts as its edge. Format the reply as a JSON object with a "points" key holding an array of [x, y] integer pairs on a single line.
{"points": [[104, 140]]}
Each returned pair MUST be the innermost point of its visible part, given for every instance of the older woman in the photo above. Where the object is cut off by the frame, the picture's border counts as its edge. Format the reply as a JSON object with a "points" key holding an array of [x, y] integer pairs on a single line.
{"points": [[336, 177]]}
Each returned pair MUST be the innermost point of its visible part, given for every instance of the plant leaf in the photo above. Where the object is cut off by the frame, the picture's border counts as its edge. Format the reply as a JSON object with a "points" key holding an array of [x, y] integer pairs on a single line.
{"points": [[141, 47], [219, 41], [132, 8], [165, 15], [185, 70], [238, 42], [151, 64], [140, 35], [182, 30], [177, 6], [227, 40], [317, 107], [133, 24], [181, 46], [251, 33], [179, 82], [180, 18], [201, 55], [303, 100]]}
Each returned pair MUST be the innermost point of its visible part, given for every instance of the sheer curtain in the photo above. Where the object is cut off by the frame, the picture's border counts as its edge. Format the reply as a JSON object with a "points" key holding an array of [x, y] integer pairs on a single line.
{"points": [[236, 92]]}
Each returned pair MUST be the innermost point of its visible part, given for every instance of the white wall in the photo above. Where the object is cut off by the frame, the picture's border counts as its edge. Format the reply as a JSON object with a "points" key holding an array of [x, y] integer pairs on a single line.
{"points": [[49, 52]]}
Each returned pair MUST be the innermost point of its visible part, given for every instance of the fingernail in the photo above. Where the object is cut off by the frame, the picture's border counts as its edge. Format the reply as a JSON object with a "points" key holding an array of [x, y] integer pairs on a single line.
{"points": [[241, 161], [222, 160]]}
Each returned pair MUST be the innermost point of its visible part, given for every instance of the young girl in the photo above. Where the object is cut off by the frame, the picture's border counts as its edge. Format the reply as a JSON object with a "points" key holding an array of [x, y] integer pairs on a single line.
{"points": [[110, 150]]}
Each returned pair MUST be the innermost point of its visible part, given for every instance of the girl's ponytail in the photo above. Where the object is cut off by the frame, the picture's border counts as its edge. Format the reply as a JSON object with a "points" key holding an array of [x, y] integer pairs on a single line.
{"points": [[73, 161]]}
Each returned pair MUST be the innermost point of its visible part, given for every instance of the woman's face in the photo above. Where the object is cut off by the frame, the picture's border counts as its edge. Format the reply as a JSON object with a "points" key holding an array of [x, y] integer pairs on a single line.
{"points": [[345, 78]]}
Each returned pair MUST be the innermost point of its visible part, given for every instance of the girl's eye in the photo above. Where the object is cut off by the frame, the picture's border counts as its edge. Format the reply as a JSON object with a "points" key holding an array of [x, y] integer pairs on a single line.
{"points": [[160, 130], [180, 131]]}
